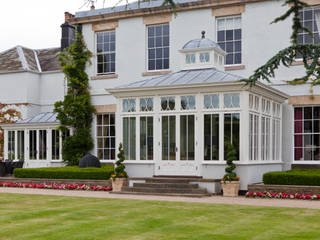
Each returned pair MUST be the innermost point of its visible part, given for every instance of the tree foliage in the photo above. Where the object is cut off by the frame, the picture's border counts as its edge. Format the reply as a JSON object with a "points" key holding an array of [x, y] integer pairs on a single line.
{"points": [[8, 114], [76, 111], [309, 53]]}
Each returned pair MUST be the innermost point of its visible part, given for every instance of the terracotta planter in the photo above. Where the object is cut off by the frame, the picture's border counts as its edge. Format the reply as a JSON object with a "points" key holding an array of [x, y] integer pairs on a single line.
{"points": [[230, 189], [117, 184]]}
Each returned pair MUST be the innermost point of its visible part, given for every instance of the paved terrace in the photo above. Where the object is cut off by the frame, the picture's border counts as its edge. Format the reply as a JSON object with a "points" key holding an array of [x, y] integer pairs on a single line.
{"points": [[313, 204]]}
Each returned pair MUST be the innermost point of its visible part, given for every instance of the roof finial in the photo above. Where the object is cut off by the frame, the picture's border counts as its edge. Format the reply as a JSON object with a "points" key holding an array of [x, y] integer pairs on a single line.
{"points": [[203, 34]]}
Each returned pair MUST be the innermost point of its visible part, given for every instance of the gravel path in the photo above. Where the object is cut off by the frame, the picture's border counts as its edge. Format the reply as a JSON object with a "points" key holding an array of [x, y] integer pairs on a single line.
{"points": [[213, 199]]}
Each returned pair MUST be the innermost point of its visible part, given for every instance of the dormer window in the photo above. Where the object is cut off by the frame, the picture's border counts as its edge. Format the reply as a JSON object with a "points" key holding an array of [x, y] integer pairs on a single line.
{"points": [[190, 58], [204, 57]]}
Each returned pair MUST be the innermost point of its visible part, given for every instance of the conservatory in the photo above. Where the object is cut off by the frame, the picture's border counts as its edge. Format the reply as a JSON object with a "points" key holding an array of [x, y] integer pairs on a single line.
{"points": [[179, 124], [35, 140]]}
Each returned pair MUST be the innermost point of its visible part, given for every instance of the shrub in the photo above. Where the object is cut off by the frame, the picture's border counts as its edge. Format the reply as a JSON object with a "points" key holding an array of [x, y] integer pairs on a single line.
{"points": [[70, 172], [293, 177], [231, 156], [119, 171]]}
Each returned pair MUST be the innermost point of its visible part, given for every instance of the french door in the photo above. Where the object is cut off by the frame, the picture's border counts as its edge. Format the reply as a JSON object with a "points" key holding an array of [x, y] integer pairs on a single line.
{"points": [[177, 146]]}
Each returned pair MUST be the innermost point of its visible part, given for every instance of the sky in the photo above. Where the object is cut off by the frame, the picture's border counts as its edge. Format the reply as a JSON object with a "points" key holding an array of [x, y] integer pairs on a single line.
{"points": [[36, 23]]}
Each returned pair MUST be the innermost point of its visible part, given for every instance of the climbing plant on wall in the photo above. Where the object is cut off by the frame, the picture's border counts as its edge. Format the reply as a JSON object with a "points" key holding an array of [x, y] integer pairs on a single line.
{"points": [[76, 111], [8, 114]]}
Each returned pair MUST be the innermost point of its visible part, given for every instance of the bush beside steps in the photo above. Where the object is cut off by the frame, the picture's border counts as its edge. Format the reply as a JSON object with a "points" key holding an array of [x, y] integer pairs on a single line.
{"points": [[70, 172], [293, 177]]}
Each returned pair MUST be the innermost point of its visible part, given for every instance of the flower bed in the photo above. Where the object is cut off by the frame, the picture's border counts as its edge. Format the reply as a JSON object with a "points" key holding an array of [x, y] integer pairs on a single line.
{"points": [[282, 195], [57, 186], [69, 172]]}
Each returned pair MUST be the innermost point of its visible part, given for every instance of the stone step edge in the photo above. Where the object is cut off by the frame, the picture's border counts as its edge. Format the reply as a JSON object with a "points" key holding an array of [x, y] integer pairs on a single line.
{"points": [[167, 185], [168, 189], [194, 195], [168, 178]]}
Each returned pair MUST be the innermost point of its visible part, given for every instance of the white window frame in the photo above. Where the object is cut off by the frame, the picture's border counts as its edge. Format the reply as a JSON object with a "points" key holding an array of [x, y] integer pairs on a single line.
{"points": [[241, 39], [147, 48], [96, 53]]}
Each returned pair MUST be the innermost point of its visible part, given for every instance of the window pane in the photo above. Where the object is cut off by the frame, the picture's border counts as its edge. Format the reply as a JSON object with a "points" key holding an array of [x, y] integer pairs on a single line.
{"points": [[106, 136], [158, 47], [150, 138], [231, 131], [215, 137], [42, 144], [20, 145], [172, 137], [183, 138], [143, 138], [229, 38], [207, 137], [106, 52]]}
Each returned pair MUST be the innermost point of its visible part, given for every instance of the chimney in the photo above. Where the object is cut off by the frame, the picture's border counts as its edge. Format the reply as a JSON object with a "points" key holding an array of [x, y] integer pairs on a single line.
{"points": [[92, 5], [68, 31]]}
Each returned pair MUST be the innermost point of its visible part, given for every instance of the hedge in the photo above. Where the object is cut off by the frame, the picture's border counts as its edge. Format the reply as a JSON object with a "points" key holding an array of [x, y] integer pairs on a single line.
{"points": [[73, 172], [293, 177]]}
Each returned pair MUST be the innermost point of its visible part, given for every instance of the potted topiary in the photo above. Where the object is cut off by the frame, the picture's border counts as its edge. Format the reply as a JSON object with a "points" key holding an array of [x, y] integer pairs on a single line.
{"points": [[230, 182], [119, 175]]}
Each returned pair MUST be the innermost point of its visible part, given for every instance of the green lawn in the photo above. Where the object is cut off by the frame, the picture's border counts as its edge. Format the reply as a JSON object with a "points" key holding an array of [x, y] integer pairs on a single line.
{"points": [[49, 217]]}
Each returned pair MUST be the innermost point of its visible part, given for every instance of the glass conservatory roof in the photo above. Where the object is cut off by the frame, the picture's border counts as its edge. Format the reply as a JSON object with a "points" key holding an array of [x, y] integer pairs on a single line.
{"points": [[194, 76], [46, 117]]}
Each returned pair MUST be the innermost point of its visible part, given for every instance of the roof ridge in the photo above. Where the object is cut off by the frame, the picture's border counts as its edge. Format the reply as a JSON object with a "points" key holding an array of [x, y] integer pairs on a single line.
{"points": [[37, 60], [22, 58]]}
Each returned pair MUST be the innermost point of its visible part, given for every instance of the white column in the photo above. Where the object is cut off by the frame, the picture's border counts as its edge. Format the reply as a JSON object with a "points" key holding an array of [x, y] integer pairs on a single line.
{"points": [[118, 122], [5, 146], [49, 144], [38, 143], [221, 129], [137, 135], [156, 133], [199, 133], [221, 136], [26, 145], [94, 134], [244, 127], [15, 145], [60, 146]]}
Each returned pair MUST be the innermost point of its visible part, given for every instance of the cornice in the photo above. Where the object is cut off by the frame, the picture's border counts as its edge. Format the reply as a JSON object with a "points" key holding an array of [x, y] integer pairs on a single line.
{"points": [[158, 10]]}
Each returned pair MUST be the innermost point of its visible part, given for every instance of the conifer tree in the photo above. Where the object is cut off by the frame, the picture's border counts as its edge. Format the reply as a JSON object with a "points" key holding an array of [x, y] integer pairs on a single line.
{"points": [[76, 111], [309, 53]]}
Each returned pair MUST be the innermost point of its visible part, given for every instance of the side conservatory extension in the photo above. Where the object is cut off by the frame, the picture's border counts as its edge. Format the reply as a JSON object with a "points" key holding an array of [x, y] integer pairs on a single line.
{"points": [[178, 124], [34, 140]]}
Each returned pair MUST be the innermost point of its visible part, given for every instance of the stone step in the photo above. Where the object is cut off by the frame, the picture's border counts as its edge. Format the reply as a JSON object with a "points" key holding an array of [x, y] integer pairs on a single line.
{"points": [[170, 180], [164, 190], [194, 195], [167, 185]]}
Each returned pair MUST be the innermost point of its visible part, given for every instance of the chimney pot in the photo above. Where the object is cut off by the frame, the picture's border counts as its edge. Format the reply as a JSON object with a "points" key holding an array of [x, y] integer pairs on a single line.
{"points": [[67, 16]]}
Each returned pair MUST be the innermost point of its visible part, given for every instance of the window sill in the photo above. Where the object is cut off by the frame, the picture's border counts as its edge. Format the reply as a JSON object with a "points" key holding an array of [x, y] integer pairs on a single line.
{"points": [[102, 77], [234, 67], [155, 73]]}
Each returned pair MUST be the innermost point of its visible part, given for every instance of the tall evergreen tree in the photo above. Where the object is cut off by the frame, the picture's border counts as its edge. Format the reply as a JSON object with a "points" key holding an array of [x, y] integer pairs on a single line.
{"points": [[76, 111]]}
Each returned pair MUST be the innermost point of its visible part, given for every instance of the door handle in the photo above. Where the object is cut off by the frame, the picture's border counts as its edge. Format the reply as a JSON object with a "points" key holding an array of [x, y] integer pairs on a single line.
{"points": [[176, 149]]}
